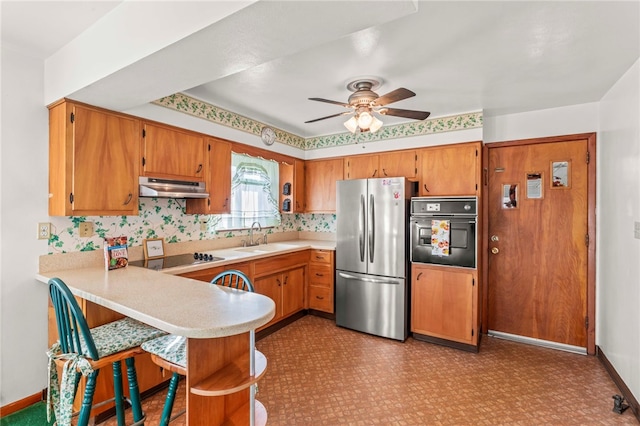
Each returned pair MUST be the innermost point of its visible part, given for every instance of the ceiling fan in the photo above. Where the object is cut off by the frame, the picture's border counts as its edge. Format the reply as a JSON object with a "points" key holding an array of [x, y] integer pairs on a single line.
{"points": [[364, 102]]}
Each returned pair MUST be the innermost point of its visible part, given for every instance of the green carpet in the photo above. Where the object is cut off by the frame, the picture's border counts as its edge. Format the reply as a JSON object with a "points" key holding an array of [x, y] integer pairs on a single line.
{"points": [[34, 415]]}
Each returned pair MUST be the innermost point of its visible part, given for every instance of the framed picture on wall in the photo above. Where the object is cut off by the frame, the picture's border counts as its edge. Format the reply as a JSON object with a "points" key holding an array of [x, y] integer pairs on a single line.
{"points": [[153, 248]]}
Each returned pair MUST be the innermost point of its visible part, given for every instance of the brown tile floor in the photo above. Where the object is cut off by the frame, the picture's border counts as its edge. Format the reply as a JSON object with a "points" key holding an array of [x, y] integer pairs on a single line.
{"points": [[320, 374]]}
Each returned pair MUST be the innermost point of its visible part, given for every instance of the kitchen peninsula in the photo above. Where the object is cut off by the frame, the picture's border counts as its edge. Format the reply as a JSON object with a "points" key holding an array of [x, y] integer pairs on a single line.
{"points": [[215, 320]]}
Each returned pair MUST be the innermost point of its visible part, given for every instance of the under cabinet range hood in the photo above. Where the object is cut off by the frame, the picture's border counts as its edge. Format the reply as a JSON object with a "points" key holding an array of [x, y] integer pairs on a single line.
{"points": [[168, 188]]}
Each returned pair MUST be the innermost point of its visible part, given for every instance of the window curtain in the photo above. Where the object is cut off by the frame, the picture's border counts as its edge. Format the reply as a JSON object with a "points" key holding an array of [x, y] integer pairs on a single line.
{"points": [[254, 193]]}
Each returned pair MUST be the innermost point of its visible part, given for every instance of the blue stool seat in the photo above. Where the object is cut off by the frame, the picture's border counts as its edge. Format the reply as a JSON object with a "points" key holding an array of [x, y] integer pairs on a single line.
{"points": [[83, 351], [170, 353]]}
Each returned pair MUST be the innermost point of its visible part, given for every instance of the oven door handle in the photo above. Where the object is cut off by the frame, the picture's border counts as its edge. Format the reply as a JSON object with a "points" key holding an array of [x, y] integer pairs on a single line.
{"points": [[367, 280]]}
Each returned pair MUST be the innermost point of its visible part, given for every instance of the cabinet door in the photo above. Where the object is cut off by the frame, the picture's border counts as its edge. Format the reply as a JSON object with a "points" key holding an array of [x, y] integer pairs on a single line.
{"points": [[271, 286], [450, 170], [218, 179], [105, 172], [293, 291], [173, 154], [442, 303], [299, 202], [398, 164], [320, 184], [361, 167]]}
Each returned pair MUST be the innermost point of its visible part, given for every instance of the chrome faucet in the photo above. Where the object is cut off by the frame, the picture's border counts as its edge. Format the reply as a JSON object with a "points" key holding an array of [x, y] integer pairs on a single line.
{"points": [[253, 225]]}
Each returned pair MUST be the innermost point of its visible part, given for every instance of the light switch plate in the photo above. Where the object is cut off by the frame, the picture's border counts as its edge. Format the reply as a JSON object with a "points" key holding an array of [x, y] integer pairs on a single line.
{"points": [[636, 230], [86, 229]]}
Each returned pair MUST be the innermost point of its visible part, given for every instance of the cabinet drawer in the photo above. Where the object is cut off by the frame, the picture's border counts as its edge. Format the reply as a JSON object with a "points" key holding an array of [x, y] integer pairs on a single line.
{"points": [[321, 299], [280, 263], [321, 256], [320, 275]]}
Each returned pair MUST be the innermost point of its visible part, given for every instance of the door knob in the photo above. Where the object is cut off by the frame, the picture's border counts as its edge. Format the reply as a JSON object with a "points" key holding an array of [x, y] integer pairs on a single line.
{"points": [[495, 238], [495, 250]]}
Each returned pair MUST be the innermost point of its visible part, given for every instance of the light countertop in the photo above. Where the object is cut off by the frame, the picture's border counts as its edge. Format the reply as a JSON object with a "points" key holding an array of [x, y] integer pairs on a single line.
{"points": [[180, 305], [176, 305]]}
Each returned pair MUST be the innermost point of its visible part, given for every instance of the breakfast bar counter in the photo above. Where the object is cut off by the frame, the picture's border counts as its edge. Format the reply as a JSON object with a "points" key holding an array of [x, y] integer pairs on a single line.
{"points": [[217, 321]]}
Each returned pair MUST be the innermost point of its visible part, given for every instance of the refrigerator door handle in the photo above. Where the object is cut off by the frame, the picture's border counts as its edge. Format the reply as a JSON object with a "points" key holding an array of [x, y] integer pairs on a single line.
{"points": [[372, 227], [361, 228], [368, 280]]}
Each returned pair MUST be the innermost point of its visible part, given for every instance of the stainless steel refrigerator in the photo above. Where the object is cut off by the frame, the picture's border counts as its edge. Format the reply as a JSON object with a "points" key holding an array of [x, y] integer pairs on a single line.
{"points": [[372, 291]]}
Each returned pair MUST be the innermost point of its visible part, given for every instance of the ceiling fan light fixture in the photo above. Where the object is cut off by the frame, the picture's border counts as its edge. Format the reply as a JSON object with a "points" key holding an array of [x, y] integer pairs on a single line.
{"points": [[364, 120], [375, 125], [351, 124]]}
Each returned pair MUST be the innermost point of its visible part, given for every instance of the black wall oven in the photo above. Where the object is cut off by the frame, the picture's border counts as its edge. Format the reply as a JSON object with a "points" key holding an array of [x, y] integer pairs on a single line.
{"points": [[461, 214]]}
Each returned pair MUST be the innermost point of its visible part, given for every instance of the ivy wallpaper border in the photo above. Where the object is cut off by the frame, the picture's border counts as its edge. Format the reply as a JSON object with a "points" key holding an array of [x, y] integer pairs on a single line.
{"points": [[188, 105]]}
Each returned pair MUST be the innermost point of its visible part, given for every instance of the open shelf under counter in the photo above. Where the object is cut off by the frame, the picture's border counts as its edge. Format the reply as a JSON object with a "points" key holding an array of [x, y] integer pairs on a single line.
{"points": [[232, 378]]}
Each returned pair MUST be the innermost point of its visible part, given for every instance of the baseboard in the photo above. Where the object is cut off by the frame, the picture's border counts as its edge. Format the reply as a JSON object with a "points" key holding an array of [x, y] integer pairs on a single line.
{"points": [[444, 342], [617, 380], [20, 404], [322, 314]]}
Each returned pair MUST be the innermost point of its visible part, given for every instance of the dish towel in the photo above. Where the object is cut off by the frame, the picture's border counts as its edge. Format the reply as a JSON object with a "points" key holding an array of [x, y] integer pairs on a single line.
{"points": [[440, 234]]}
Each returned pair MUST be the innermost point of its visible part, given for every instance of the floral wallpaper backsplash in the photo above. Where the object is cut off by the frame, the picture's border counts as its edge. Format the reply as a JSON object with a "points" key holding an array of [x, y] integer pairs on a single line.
{"points": [[164, 218]]}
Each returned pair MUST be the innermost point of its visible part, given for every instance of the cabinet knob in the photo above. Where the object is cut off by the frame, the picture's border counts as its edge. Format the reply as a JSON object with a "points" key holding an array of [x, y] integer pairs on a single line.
{"points": [[278, 281], [128, 199], [384, 172], [419, 275], [375, 172], [495, 250], [319, 297], [495, 238], [425, 187], [199, 168]]}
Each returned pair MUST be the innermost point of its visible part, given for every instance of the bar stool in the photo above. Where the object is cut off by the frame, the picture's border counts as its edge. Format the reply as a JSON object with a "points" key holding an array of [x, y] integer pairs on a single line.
{"points": [[169, 352], [83, 351]]}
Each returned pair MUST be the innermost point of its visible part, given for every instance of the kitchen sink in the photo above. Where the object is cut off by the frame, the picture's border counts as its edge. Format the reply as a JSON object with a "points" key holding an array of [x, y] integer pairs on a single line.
{"points": [[267, 248]]}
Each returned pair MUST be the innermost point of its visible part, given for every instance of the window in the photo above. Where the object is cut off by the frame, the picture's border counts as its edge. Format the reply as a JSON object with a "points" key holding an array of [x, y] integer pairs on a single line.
{"points": [[254, 193]]}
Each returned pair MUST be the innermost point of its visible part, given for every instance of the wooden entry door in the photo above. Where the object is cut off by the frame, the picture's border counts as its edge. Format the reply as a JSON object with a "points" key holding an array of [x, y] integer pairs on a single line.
{"points": [[538, 230]]}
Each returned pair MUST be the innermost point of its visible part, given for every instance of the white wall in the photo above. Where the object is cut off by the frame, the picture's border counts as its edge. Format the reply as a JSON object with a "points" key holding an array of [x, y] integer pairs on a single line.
{"points": [[618, 292], [24, 188], [616, 119]]}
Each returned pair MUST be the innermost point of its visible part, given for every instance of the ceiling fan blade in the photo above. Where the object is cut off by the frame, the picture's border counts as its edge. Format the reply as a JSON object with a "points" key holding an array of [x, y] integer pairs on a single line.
{"points": [[329, 116], [406, 113], [330, 102], [394, 96]]}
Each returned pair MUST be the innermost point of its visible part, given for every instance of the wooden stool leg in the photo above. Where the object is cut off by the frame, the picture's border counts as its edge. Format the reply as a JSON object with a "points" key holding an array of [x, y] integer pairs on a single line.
{"points": [[171, 397], [134, 391], [118, 394]]}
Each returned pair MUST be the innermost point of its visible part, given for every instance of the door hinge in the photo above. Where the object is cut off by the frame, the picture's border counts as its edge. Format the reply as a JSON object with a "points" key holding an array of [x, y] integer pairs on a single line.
{"points": [[472, 332], [71, 197], [586, 322], [144, 133], [209, 147], [586, 240], [473, 282], [72, 117], [588, 157], [143, 161], [476, 152]]}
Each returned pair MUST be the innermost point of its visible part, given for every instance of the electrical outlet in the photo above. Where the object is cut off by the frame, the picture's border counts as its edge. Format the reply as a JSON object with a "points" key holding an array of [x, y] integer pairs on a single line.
{"points": [[44, 230], [636, 230], [203, 225], [86, 229]]}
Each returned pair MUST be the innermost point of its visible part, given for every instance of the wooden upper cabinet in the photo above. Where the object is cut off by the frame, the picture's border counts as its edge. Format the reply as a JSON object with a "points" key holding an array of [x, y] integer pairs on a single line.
{"points": [[93, 161], [361, 167], [292, 179], [450, 170], [389, 164], [320, 184], [172, 153], [398, 163], [218, 180]]}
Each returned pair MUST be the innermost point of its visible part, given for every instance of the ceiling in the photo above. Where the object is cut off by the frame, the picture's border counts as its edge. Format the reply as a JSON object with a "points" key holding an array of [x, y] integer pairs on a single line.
{"points": [[265, 59]]}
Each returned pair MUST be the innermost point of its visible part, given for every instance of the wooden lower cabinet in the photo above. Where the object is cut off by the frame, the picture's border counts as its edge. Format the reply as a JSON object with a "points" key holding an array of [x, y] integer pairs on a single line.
{"points": [[321, 280], [283, 279], [444, 303], [286, 290]]}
